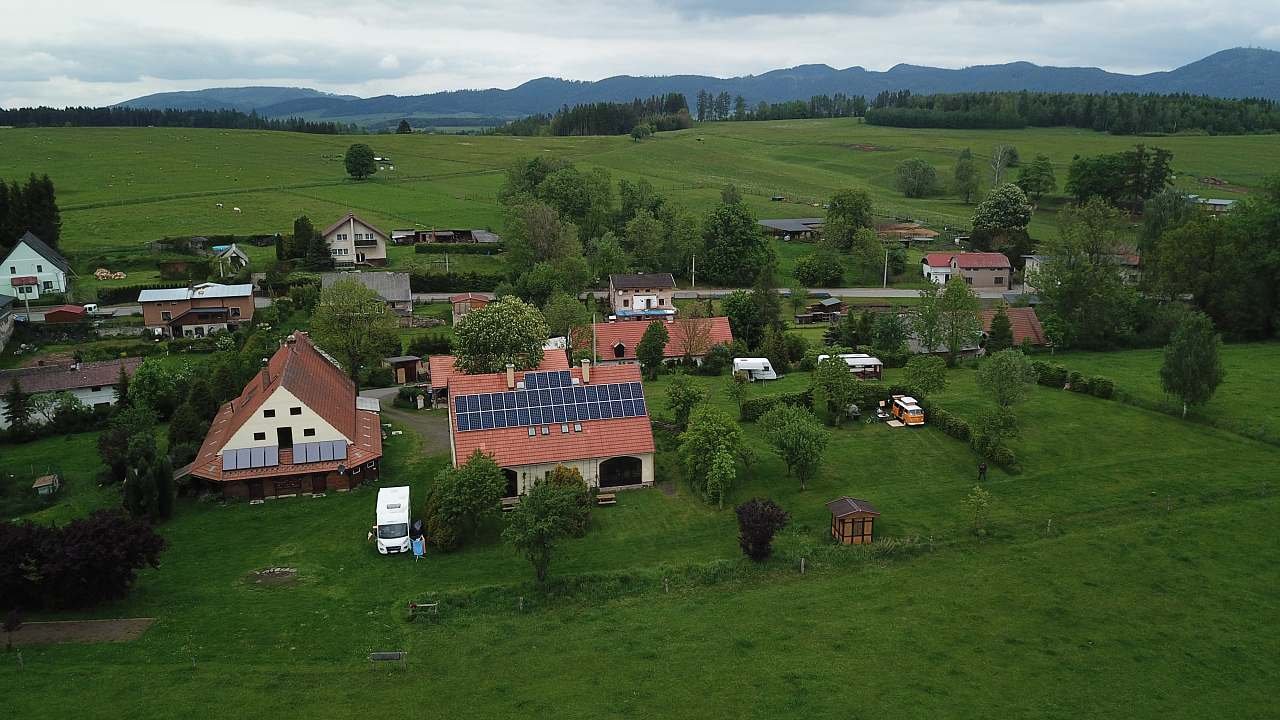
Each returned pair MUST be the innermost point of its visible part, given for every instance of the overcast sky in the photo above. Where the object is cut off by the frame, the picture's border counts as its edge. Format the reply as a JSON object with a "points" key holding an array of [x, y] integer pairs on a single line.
{"points": [[61, 52]]}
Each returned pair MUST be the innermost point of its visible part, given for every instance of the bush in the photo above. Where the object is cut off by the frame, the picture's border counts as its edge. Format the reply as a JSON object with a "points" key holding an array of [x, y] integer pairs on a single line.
{"points": [[758, 520], [753, 408], [1004, 458], [453, 282], [1049, 375], [1077, 383], [431, 344], [953, 425], [407, 398], [458, 248], [718, 359], [1101, 387], [380, 377]]}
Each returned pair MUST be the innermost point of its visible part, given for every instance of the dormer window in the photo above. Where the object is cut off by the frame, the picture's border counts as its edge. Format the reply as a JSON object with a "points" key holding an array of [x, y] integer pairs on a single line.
{"points": [[619, 350]]}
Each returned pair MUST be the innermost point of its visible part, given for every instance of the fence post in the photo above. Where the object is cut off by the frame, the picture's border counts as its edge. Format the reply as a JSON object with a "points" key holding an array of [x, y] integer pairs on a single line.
{"points": [[801, 566], [521, 603]]}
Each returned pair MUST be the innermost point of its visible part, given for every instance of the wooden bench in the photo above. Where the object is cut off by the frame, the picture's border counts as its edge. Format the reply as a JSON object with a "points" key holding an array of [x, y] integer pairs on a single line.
{"points": [[424, 608], [392, 656], [509, 504], [607, 499]]}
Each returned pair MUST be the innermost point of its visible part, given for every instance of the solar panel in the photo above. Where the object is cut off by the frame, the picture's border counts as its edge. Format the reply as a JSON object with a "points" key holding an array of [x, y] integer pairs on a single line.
{"points": [[257, 457], [548, 398], [229, 460]]}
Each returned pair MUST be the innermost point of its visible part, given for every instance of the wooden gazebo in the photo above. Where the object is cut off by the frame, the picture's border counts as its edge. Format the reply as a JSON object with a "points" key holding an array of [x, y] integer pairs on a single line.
{"points": [[852, 520]]}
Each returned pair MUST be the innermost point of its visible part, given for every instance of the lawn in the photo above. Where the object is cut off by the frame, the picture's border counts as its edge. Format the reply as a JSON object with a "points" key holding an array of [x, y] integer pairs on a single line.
{"points": [[1125, 528]]}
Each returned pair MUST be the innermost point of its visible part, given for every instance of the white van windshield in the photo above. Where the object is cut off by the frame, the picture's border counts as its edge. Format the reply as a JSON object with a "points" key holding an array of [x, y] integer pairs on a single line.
{"points": [[391, 532]]}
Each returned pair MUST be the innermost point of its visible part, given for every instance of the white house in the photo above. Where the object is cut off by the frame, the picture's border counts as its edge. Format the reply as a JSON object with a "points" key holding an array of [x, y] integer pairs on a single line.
{"points": [[353, 241], [32, 269], [93, 384]]}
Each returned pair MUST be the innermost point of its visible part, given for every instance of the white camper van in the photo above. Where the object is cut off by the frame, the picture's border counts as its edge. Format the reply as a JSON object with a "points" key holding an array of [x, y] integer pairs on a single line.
{"points": [[755, 368], [393, 520]]}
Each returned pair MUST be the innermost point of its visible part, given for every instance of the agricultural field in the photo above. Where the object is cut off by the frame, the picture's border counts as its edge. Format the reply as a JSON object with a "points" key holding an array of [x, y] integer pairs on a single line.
{"points": [[1125, 527], [120, 188]]}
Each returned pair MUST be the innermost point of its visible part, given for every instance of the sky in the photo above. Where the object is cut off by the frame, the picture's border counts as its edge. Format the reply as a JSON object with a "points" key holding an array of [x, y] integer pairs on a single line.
{"points": [[76, 52]]}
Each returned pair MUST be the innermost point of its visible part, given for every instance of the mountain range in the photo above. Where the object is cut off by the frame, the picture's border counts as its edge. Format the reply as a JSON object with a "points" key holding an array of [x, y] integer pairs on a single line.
{"points": [[1235, 73]]}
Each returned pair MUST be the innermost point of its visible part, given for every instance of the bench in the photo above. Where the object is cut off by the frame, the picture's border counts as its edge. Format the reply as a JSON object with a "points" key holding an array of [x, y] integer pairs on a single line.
{"points": [[509, 504], [393, 656], [425, 608], [607, 499]]}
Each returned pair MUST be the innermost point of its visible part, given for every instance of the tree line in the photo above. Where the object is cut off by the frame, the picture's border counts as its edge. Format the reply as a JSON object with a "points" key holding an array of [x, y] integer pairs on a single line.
{"points": [[1116, 113], [713, 107], [33, 207], [659, 113], [147, 117]]}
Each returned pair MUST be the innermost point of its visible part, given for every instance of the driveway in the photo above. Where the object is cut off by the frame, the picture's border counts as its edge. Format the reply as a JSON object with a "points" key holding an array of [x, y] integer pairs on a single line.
{"points": [[430, 425]]}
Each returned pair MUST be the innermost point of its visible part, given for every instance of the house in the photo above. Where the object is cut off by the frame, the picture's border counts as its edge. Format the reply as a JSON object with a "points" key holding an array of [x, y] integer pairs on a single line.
{"points": [[1128, 264], [198, 310], [466, 302], [407, 368], [852, 520], [297, 428], [353, 241], [828, 310], [642, 296], [593, 419], [905, 232], [793, 228], [93, 384], [441, 369], [981, 270], [1215, 206], [33, 269], [63, 314], [1023, 320], [392, 287], [6, 319], [615, 343]]}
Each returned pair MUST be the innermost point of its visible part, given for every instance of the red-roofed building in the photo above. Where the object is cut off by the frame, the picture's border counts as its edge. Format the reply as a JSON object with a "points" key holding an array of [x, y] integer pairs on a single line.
{"points": [[464, 303], [981, 270], [612, 449], [1023, 320], [440, 369], [297, 428], [64, 314], [616, 342]]}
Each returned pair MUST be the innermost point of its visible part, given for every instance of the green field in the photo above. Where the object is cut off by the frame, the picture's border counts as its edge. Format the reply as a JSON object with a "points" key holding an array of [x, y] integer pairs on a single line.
{"points": [[1130, 572], [122, 187]]}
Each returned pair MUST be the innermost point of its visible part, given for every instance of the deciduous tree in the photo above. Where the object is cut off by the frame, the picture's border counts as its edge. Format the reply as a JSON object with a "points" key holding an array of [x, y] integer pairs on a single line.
{"points": [[798, 438], [735, 246], [1192, 369], [710, 432], [759, 519], [546, 514], [958, 317], [359, 161], [1037, 179], [848, 212], [1008, 377], [925, 374], [507, 330], [651, 351], [683, 395], [916, 178], [965, 176], [354, 325]]}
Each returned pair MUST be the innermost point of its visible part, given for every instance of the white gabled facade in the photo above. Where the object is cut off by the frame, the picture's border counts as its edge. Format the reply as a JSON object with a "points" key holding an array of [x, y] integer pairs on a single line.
{"points": [[353, 241], [283, 409], [26, 261]]}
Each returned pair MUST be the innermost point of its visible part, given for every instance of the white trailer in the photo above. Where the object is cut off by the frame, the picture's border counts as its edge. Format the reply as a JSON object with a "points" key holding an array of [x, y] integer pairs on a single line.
{"points": [[755, 368], [860, 364], [392, 530]]}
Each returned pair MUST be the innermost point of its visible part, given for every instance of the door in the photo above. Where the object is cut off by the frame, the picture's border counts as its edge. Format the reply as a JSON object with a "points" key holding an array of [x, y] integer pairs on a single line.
{"points": [[284, 438], [400, 375], [318, 484], [255, 489]]}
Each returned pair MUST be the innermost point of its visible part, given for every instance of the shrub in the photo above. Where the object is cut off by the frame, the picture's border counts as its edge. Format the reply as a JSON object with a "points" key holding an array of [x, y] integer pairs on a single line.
{"points": [[753, 408], [1050, 375], [1102, 387], [431, 344], [453, 282], [129, 293], [380, 377], [1077, 382], [948, 423], [718, 359], [457, 248], [759, 519]]}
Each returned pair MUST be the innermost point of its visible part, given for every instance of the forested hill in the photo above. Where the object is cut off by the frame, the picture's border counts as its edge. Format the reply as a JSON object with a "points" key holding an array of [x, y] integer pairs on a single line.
{"points": [[1241, 72]]}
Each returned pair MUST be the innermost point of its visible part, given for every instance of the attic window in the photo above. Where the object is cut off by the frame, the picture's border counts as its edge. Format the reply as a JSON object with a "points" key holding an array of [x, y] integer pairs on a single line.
{"points": [[295, 411], [268, 413], [259, 436], [619, 350], [532, 432], [546, 430], [577, 427], [564, 428]]}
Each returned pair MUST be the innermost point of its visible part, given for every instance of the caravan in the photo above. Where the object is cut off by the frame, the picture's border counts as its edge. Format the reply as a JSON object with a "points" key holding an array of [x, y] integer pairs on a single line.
{"points": [[860, 364], [392, 529], [754, 368]]}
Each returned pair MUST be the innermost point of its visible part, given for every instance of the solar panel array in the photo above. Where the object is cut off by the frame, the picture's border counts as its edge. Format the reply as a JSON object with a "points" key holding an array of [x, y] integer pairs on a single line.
{"points": [[246, 458], [325, 450], [540, 404]]}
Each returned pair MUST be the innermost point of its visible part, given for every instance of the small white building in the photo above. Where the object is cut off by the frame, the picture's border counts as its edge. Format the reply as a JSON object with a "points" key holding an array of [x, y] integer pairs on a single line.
{"points": [[93, 384], [32, 269], [353, 241]]}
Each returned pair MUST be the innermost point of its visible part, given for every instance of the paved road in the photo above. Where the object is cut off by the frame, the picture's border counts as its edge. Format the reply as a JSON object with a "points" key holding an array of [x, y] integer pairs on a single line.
{"points": [[852, 292]]}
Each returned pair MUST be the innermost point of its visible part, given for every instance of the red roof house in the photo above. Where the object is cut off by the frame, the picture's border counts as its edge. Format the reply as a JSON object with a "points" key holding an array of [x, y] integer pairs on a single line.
{"points": [[982, 270], [616, 342], [1025, 324]]}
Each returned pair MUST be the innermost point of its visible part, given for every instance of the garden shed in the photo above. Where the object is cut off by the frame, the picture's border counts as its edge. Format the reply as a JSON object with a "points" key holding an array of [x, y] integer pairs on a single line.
{"points": [[46, 484], [852, 520]]}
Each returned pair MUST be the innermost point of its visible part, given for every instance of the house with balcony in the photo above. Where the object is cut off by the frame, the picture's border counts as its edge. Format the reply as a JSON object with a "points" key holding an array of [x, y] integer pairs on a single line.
{"points": [[642, 296], [197, 310], [33, 269], [353, 241]]}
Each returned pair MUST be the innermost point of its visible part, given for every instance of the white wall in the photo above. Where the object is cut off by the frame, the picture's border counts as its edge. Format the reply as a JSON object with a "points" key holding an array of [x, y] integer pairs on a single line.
{"points": [[527, 475], [24, 261], [281, 401], [88, 396], [347, 246]]}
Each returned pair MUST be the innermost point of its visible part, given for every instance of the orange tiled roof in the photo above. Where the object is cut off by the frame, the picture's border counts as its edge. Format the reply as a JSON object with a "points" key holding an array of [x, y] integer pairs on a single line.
{"points": [[967, 260], [511, 447], [472, 298], [441, 367], [1025, 323], [608, 335], [301, 369]]}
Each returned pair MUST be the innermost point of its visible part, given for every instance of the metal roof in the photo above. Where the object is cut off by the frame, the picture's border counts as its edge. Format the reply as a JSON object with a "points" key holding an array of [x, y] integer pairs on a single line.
{"points": [[390, 286], [797, 225], [642, 280], [203, 290]]}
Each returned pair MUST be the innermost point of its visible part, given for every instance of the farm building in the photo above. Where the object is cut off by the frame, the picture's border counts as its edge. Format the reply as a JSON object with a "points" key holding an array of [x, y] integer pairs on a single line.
{"points": [[407, 368], [825, 310], [852, 520], [981, 270], [615, 343], [46, 485], [392, 287], [63, 314], [93, 384], [353, 241], [297, 428], [594, 419], [1025, 324], [32, 269], [464, 303], [643, 296], [198, 310], [793, 228], [905, 232]]}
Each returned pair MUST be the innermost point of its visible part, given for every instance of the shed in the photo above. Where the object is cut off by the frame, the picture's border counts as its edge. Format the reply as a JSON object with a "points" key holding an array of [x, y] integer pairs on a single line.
{"points": [[64, 314], [46, 484], [407, 368], [852, 520]]}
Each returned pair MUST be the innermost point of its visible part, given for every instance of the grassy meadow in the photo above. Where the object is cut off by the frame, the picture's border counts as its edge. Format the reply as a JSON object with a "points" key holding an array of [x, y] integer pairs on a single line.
{"points": [[122, 187], [1125, 528]]}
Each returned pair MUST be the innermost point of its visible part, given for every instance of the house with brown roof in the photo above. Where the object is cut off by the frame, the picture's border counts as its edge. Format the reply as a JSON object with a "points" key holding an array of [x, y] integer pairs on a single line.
{"points": [[441, 369], [353, 241], [642, 296], [594, 419], [297, 428], [1024, 322], [615, 343], [197, 310], [980, 270], [93, 384]]}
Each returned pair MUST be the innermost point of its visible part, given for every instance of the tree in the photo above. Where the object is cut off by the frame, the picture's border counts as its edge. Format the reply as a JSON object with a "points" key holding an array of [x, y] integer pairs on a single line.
{"points": [[925, 374], [926, 322], [798, 438], [848, 212], [200, 397], [1000, 336], [759, 519], [38, 210], [353, 324], [563, 313], [958, 317], [821, 268], [644, 241], [737, 387], [303, 234], [774, 347], [889, 334], [764, 293], [710, 432], [735, 246], [965, 176], [1192, 369], [546, 514], [507, 330], [1002, 156], [1008, 377], [186, 426], [978, 503], [141, 493], [651, 351], [797, 294], [641, 131], [834, 389], [122, 387], [359, 161], [606, 256], [461, 497], [916, 178], [729, 195], [1037, 179], [17, 410], [867, 254], [744, 317], [116, 440], [683, 395], [404, 128], [721, 473], [536, 233], [992, 428], [1005, 211], [693, 339]]}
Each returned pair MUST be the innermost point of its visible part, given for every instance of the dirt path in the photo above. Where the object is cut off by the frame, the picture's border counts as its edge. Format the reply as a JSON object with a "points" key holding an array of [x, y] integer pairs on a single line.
{"points": [[81, 631], [432, 427]]}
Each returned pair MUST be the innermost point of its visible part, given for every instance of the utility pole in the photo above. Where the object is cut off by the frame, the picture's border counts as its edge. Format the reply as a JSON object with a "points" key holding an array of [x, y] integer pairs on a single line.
{"points": [[693, 280], [886, 268]]}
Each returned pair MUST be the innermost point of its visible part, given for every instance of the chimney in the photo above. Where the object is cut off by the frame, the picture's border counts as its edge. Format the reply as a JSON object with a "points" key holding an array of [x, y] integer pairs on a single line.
{"points": [[511, 376], [266, 373], [586, 371]]}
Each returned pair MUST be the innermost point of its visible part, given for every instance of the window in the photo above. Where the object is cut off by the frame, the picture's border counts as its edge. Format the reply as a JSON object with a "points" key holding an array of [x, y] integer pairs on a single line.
{"points": [[13, 270], [166, 315], [48, 284], [662, 301], [295, 411], [968, 280], [235, 312], [626, 303], [260, 436], [999, 280], [268, 413], [96, 388], [309, 432], [39, 268]]}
